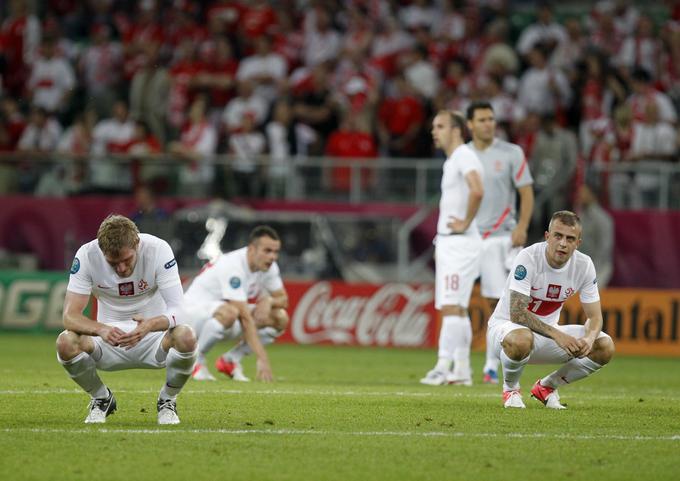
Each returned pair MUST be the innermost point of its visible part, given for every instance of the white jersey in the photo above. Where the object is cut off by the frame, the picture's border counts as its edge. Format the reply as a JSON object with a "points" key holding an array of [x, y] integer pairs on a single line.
{"points": [[548, 288], [455, 190], [505, 169], [119, 299], [230, 278]]}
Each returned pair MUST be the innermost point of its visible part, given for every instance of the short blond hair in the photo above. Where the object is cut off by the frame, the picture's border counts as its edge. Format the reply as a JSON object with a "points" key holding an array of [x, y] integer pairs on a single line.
{"points": [[116, 233]]}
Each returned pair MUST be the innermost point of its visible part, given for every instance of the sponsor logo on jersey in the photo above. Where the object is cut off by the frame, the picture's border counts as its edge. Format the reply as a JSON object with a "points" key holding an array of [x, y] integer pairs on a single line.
{"points": [[169, 264], [520, 272], [126, 289], [143, 285], [103, 287], [553, 291], [75, 267], [235, 282]]}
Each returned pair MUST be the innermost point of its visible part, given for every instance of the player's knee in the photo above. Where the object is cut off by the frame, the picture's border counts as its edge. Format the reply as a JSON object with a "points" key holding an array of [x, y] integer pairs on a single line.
{"points": [[226, 314], [518, 344], [68, 345], [603, 350], [184, 338], [280, 319]]}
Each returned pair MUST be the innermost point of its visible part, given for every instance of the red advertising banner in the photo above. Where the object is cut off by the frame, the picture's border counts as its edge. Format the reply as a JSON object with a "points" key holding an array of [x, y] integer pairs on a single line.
{"points": [[394, 314]]}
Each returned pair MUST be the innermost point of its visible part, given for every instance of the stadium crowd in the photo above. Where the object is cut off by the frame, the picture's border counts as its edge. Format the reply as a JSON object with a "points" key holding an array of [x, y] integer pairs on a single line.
{"points": [[342, 78]]}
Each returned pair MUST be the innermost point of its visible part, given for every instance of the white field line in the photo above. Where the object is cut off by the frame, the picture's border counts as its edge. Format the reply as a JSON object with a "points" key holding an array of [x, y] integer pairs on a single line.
{"points": [[310, 432], [444, 392]]}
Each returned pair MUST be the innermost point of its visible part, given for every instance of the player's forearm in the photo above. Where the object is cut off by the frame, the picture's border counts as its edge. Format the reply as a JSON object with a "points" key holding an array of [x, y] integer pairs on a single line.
{"points": [[593, 327], [251, 337], [474, 201], [519, 314], [526, 206], [80, 324], [280, 302], [158, 323]]}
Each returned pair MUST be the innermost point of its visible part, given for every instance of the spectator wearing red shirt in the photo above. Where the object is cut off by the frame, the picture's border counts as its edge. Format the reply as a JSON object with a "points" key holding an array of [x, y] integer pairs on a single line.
{"points": [[20, 33], [351, 141], [401, 120]]}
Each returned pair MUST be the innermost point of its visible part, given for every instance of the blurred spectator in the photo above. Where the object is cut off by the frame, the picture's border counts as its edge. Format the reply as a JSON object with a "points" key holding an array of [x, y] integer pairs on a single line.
{"points": [[569, 53], [52, 80], [645, 93], [449, 23], [196, 149], [184, 74], [552, 163], [282, 146], [401, 120], [146, 168], [76, 144], [641, 50], [218, 75], [100, 66], [545, 31], [390, 41], [141, 36], [258, 19], [351, 141], [420, 72], [322, 41], [149, 92], [40, 137], [20, 35], [418, 14], [245, 102], [247, 145], [13, 121], [148, 216], [597, 232], [542, 88], [265, 69]]}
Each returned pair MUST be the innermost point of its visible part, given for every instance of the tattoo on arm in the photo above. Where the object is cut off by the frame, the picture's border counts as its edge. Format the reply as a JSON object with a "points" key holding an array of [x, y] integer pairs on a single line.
{"points": [[520, 314]]}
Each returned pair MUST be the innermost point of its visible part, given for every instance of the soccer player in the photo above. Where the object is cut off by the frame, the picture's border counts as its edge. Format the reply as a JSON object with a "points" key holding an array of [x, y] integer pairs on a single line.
{"points": [[218, 304], [505, 170], [135, 280], [524, 328], [457, 249]]}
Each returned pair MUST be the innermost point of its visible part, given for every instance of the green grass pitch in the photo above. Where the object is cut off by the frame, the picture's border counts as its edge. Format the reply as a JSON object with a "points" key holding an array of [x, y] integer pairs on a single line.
{"points": [[337, 413]]}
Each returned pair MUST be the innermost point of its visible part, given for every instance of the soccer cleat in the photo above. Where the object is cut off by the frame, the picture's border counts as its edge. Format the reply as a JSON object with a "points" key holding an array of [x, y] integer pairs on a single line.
{"points": [[513, 399], [547, 395], [100, 409], [434, 378], [490, 377], [231, 368], [201, 373], [453, 378], [167, 411]]}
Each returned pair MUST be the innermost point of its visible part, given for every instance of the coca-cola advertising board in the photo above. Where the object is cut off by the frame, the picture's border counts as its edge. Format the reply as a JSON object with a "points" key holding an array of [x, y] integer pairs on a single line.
{"points": [[394, 314]]}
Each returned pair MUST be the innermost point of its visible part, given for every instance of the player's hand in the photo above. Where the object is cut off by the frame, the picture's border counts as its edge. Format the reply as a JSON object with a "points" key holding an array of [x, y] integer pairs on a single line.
{"points": [[457, 226], [586, 346], [132, 338], [518, 236], [570, 344], [264, 371], [111, 335]]}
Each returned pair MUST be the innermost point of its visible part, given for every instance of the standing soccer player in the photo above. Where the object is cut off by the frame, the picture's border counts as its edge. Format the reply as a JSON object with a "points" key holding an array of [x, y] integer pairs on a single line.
{"points": [[135, 280], [457, 249], [218, 304], [505, 170], [524, 327]]}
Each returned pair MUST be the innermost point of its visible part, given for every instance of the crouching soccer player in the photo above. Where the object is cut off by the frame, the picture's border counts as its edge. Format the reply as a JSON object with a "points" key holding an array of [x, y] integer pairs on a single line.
{"points": [[217, 303], [524, 326], [135, 280]]}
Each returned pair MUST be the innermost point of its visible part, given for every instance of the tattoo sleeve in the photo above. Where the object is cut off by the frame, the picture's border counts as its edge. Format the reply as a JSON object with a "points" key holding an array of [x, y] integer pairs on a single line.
{"points": [[520, 314]]}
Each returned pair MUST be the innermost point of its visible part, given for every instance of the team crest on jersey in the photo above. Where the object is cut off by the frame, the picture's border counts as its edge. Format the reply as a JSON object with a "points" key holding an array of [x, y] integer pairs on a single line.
{"points": [[169, 264], [553, 291], [235, 282], [520, 272], [143, 285], [75, 267], [126, 289]]}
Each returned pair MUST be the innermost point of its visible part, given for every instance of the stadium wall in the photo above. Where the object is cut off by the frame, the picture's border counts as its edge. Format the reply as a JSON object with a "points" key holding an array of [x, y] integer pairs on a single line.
{"points": [[392, 315]]}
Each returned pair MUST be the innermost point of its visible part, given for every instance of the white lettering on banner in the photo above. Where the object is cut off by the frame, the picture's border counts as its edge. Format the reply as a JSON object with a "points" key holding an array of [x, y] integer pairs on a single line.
{"points": [[25, 303], [376, 319]]}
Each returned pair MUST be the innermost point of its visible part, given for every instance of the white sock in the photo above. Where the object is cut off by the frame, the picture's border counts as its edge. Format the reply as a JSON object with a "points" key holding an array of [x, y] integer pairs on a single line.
{"points": [[570, 372], [83, 371], [492, 361], [212, 332], [457, 334], [267, 336], [178, 367], [449, 339], [512, 371], [443, 365]]}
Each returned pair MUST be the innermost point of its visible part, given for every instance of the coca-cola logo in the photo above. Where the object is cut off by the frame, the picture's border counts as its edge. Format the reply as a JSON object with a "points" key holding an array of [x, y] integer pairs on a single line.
{"points": [[395, 314]]}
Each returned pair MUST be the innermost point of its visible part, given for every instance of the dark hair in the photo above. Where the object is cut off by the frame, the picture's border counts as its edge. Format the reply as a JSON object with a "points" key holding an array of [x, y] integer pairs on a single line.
{"points": [[477, 105], [566, 217], [262, 231]]}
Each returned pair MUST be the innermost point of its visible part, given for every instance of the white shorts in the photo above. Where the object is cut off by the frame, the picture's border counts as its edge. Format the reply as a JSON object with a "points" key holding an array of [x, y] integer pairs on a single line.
{"points": [[147, 354], [496, 262], [545, 351], [199, 312], [456, 268]]}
